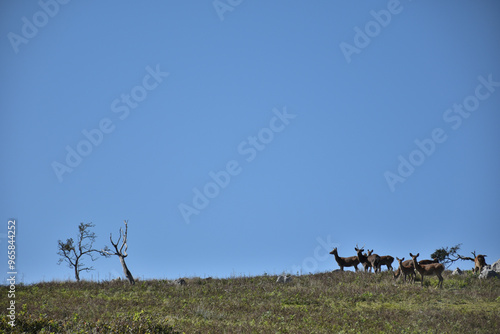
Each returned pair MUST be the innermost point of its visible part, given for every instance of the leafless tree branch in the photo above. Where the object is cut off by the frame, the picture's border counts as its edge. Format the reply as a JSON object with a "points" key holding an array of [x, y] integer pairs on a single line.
{"points": [[73, 253], [122, 252]]}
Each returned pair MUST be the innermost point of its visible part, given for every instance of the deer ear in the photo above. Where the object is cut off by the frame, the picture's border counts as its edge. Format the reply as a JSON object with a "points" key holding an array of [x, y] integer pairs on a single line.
{"points": [[411, 254], [402, 259], [417, 254]]}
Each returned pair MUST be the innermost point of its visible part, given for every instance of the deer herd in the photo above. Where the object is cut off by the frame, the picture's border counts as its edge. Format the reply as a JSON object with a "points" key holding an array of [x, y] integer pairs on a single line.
{"points": [[406, 268]]}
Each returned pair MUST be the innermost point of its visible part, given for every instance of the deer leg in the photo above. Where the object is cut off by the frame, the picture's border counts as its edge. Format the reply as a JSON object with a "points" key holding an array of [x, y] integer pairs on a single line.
{"points": [[440, 281]]}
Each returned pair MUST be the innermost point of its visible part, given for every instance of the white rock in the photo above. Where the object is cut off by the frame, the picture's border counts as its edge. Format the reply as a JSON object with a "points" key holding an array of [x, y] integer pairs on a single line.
{"points": [[180, 281], [284, 279], [488, 273], [496, 266]]}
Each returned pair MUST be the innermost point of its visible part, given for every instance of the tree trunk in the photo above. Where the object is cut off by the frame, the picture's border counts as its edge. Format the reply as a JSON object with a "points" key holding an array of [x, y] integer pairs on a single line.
{"points": [[77, 273], [127, 272]]}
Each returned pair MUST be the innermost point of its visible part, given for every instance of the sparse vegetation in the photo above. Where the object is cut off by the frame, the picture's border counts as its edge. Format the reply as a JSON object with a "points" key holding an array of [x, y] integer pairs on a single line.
{"points": [[337, 302]]}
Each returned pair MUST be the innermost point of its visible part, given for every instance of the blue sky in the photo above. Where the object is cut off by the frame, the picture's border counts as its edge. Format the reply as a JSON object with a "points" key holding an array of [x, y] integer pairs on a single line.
{"points": [[325, 124]]}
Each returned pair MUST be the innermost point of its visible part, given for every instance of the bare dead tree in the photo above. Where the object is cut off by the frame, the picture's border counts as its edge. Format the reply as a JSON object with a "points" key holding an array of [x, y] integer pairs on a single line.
{"points": [[73, 252], [121, 252]]}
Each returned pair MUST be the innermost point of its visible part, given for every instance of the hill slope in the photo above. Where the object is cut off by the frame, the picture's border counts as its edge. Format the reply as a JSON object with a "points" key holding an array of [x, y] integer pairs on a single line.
{"points": [[322, 303]]}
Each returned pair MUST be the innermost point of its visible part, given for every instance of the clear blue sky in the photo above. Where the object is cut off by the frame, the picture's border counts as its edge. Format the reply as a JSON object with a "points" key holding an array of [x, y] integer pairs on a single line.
{"points": [[309, 108]]}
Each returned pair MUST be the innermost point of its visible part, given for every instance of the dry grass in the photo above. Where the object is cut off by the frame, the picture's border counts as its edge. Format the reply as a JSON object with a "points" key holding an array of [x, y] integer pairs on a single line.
{"points": [[322, 303]]}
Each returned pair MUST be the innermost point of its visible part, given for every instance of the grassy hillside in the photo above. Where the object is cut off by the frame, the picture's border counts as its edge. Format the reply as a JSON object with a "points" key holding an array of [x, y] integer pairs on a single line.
{"points": [[322, 303]]}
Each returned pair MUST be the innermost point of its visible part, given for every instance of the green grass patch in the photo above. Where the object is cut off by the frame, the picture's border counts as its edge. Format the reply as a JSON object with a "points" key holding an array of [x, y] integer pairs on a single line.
{"points": [[322, 303]]}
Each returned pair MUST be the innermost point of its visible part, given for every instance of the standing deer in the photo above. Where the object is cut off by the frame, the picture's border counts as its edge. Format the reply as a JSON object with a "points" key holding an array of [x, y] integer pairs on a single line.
{"points": [[386, 260], [428, 261], [409, 263], [479, 261], [375, 261], [351, 261], [362, 258], [428, 269], [406, 268]]}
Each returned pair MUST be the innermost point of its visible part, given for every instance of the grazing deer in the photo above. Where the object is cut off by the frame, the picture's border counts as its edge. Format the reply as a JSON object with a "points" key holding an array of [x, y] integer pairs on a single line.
{"points": [[428, 269], [351, 261], [406, 268], [375, 261], [406, 263], [386, 260]]}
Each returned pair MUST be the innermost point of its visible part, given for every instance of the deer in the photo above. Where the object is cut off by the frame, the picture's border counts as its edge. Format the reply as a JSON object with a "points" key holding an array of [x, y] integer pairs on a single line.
{"points": [[479, 261], [386, 260], [406, 268], [363, 258], [427, 261], [428, 269], [351, 261], [375, 261], [406, 263], [409, 262]]}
